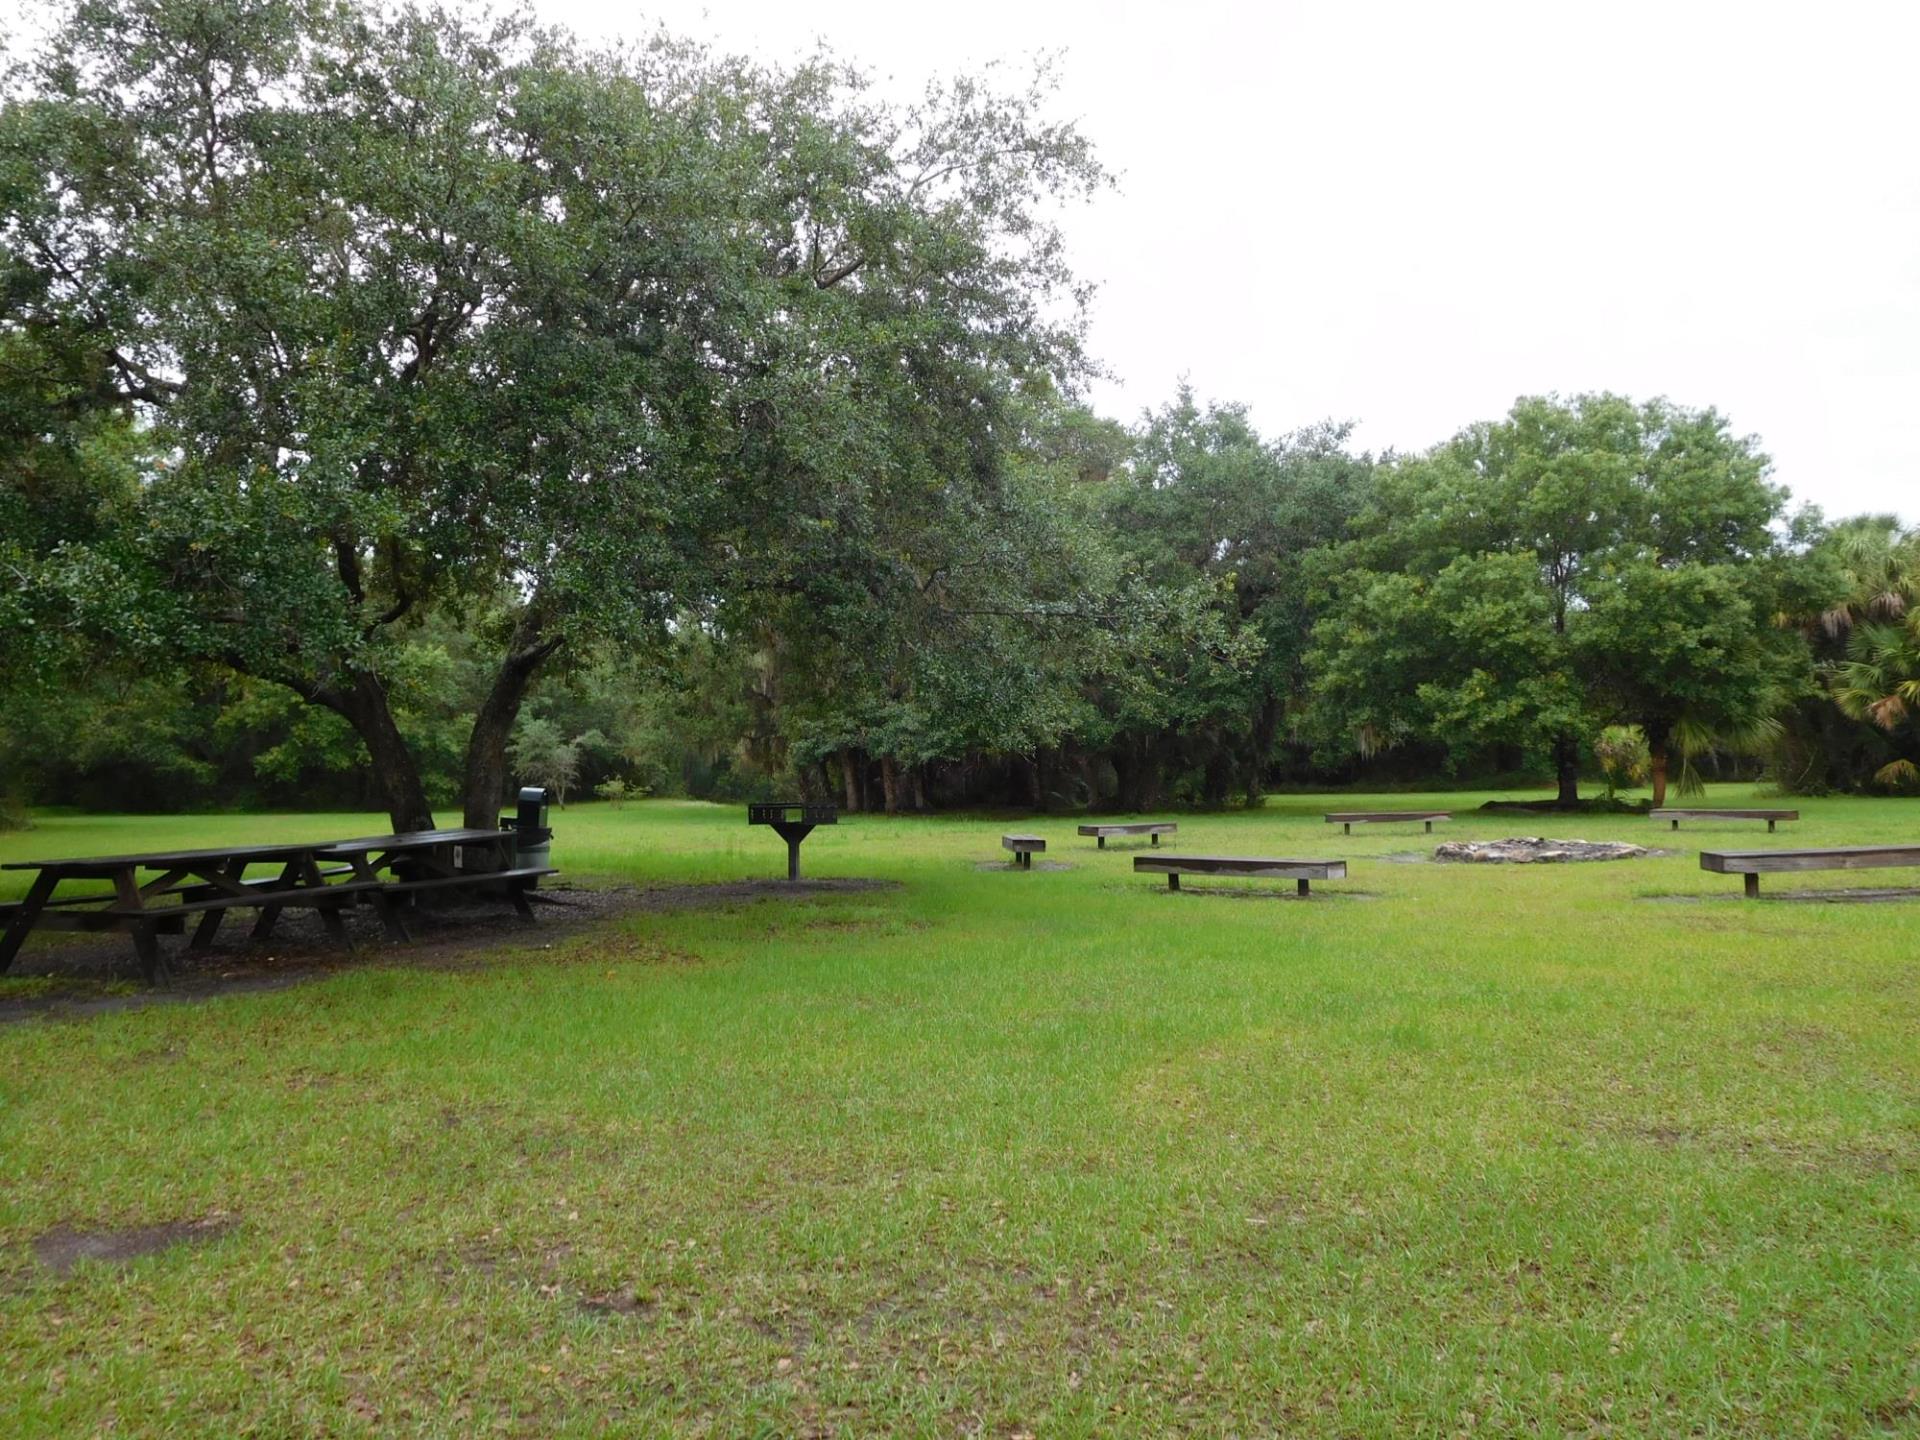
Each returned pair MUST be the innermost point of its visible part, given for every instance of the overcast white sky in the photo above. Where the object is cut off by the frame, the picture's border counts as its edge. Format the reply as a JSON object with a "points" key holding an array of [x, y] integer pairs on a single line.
{"points": [[1407, 214]]}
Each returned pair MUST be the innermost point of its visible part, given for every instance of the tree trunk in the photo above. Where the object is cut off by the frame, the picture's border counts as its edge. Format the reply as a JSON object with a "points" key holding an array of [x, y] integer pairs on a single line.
{"points": [[1566, 765], [365, 706], [1657, 751], [917, 783], [486, 778], [890, 783], [850, 779]]}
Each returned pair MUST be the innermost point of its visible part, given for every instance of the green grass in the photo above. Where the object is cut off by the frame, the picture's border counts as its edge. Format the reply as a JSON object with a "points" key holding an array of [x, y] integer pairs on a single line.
{"points": [[1517, 1151]]}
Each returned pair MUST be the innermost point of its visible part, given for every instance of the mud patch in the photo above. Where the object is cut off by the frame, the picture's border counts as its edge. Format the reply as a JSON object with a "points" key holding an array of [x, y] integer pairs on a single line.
{"points": [[1825, 897], [63, 1247], [1406, 857]]}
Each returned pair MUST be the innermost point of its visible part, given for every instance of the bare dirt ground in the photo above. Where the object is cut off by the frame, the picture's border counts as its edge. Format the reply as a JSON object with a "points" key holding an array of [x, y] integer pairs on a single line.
{"points": [[73, 976]]}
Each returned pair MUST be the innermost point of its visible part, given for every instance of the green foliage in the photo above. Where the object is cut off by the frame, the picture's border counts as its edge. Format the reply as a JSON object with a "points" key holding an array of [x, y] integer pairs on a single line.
{"points": [[1621, 751], [426, 309], [1575, 565]]}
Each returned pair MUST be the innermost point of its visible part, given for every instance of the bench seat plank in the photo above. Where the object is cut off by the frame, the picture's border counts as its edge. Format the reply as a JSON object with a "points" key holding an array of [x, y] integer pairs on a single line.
{"points": [[1153, 829], [1255, 866], [1752, 864], [1024, 848], [1674, 815], [1347, 819]]}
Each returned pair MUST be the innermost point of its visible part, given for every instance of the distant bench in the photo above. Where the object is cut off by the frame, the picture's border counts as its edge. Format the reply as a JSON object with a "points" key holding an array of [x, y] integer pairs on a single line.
{"points": [[1155, 828], [1347, 819], [1752, 864], [1024, 848], [1770, 816], [1302, 871]]}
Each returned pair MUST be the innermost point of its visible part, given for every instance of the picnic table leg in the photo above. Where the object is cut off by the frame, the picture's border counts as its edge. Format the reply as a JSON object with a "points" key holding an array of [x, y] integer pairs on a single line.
{"points": [[1752, 879], [146, 944], [209, 925], [29, 911], [269, 914], [23, 919], [1303, 887], [517, 893], [329, 913]]}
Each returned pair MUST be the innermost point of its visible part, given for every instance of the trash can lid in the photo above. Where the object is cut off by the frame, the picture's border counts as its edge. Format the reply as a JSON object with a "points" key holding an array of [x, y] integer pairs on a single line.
{"points": [[533, 795]]}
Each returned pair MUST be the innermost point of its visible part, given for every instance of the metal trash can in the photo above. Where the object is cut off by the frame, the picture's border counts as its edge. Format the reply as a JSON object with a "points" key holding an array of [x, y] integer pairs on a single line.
{"points": [[533, 836]]}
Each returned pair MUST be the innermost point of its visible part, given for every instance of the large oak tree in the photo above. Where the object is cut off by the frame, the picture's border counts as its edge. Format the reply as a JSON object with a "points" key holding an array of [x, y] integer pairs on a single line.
{"points": [[424, 313]]}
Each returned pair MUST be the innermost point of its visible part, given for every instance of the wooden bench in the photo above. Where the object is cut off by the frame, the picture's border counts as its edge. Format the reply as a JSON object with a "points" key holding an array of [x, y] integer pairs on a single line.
{"points": [[1301, 871], [1153, 828], [1752, 864], [1770, 816], [1347, 819], [1024, 848]]}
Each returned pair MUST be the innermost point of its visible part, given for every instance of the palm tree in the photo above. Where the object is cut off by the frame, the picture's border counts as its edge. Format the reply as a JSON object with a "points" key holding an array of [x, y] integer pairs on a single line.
{"points": [[1878, 680]]}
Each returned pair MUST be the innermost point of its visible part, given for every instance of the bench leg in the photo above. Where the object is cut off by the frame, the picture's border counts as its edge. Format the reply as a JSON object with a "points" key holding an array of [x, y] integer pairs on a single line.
{"points": [[1769, 827], [1429, 827], [1675, 824], [1173, 882], [1346, 827], [1303, 887], [1100, 841], [1752, 880], [24, 917], [1153, 839]]}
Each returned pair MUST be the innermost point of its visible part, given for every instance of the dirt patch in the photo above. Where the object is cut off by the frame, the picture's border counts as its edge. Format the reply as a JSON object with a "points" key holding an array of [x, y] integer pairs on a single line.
{"points": [[1828, 897], [64, 1246], [72, 978], [725, 892]]}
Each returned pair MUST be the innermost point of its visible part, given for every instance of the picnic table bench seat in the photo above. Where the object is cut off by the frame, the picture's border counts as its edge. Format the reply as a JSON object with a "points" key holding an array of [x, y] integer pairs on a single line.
{"points": [[1302, 872], [1347, 819], [1750, 865], [1675, 814], [1153, 829]]}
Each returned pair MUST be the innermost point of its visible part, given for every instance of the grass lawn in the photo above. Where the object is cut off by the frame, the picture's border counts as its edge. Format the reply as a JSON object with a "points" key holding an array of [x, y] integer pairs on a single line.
{"points": [[1445, 1150]]}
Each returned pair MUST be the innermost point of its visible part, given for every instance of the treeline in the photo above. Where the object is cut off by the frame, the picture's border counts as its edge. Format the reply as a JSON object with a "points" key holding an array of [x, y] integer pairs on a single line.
{"points": [[396, 406]]}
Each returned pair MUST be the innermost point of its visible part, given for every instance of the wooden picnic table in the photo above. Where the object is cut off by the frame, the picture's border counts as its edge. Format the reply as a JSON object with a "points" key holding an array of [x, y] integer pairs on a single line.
{"points": [[323, 875]]}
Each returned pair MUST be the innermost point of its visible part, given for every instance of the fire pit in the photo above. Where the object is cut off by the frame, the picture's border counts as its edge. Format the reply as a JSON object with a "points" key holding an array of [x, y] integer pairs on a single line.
{"points": [[1536, 850]]}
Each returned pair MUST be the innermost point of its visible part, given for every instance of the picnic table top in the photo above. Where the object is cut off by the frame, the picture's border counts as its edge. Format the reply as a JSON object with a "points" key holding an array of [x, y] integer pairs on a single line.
{"points": [[412, 840], [164, 859], [97, 866]]}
